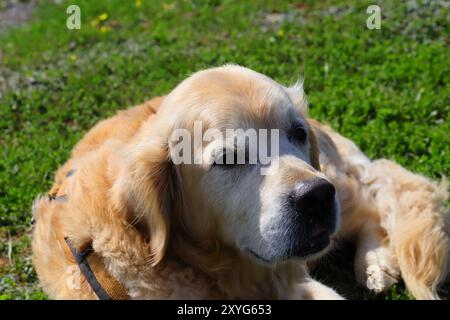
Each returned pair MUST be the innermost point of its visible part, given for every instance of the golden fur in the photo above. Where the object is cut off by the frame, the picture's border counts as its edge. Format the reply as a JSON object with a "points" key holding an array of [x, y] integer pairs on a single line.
{"points": [[127, 198]]}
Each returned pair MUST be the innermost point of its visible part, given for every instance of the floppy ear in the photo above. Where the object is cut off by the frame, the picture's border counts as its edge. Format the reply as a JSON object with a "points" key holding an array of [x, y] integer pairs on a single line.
{"points": [[147, 191]]}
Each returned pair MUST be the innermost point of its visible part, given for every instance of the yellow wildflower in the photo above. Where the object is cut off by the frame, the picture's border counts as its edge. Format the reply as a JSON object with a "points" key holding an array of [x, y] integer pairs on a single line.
{"points": [[168, 6], [103, 16], [104, 28], [94, 23]]}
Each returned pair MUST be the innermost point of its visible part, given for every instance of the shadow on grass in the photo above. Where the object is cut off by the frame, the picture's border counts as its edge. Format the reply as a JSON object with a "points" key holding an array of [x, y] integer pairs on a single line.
{"points": [[336, 271]]}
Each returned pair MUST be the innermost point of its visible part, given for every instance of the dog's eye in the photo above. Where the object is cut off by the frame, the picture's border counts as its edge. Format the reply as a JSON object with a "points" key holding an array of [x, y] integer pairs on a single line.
{"points": [[298, 134]]}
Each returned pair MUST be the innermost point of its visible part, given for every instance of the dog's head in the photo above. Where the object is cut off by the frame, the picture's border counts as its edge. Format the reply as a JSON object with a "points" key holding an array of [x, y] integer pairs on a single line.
{"points": [[231, 157]]}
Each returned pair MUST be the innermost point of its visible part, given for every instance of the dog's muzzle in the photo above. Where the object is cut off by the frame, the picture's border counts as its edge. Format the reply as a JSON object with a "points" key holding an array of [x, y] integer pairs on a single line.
{"points": [[313, 213]]}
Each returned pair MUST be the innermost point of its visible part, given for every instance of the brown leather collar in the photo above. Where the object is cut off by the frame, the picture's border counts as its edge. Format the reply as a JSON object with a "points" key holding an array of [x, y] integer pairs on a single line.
{"points": [[91, 265]]}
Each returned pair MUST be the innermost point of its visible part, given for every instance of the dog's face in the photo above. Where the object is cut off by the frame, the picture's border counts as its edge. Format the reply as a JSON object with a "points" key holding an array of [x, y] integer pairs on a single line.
{"points": [[271, 211]]}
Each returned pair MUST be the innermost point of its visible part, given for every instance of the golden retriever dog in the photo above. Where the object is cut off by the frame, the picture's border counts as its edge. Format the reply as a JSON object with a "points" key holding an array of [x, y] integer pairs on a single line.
{"points": [[126, 219]]}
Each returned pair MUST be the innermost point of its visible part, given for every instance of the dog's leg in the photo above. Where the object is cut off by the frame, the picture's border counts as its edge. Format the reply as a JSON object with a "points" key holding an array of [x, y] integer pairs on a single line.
{"points": [[375, 265], [411, 208], [313, 290]]}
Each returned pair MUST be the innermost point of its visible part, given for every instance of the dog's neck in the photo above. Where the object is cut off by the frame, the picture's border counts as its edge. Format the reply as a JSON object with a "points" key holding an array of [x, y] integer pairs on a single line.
{"points": [[235, 275]]}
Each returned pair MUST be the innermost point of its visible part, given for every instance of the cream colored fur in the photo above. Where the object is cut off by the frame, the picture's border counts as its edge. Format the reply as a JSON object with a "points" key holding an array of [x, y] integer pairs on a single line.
{"points": [[162, 237]]}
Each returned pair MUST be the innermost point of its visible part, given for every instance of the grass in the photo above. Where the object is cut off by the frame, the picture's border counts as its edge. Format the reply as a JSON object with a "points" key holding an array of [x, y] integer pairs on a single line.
{"points": [[388, 89]]}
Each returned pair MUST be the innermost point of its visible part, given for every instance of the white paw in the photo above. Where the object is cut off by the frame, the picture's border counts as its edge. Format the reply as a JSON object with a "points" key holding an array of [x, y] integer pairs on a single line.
{"points": [[380, 278]]}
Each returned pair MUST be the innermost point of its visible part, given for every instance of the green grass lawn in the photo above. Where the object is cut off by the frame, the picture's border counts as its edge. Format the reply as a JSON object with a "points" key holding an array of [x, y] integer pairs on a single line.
{"points": [[388, 89]]}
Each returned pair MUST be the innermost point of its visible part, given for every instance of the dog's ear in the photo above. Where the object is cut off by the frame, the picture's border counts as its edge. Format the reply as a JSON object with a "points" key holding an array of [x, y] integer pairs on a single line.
{"points": [[147, 191], [298, 98]]}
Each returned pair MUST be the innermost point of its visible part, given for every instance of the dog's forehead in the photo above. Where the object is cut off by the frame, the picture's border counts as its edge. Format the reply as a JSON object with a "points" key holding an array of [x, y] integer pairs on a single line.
{"points": [[234, 99]]}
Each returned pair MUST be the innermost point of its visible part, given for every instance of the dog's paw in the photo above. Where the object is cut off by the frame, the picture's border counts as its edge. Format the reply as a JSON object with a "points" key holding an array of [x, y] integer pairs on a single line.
{"points": [[380, 278], [376, 269]]}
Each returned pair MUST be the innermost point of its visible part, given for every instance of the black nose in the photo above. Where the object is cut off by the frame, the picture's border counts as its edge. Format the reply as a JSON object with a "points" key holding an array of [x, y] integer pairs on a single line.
{"points": [[314, 201]]}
